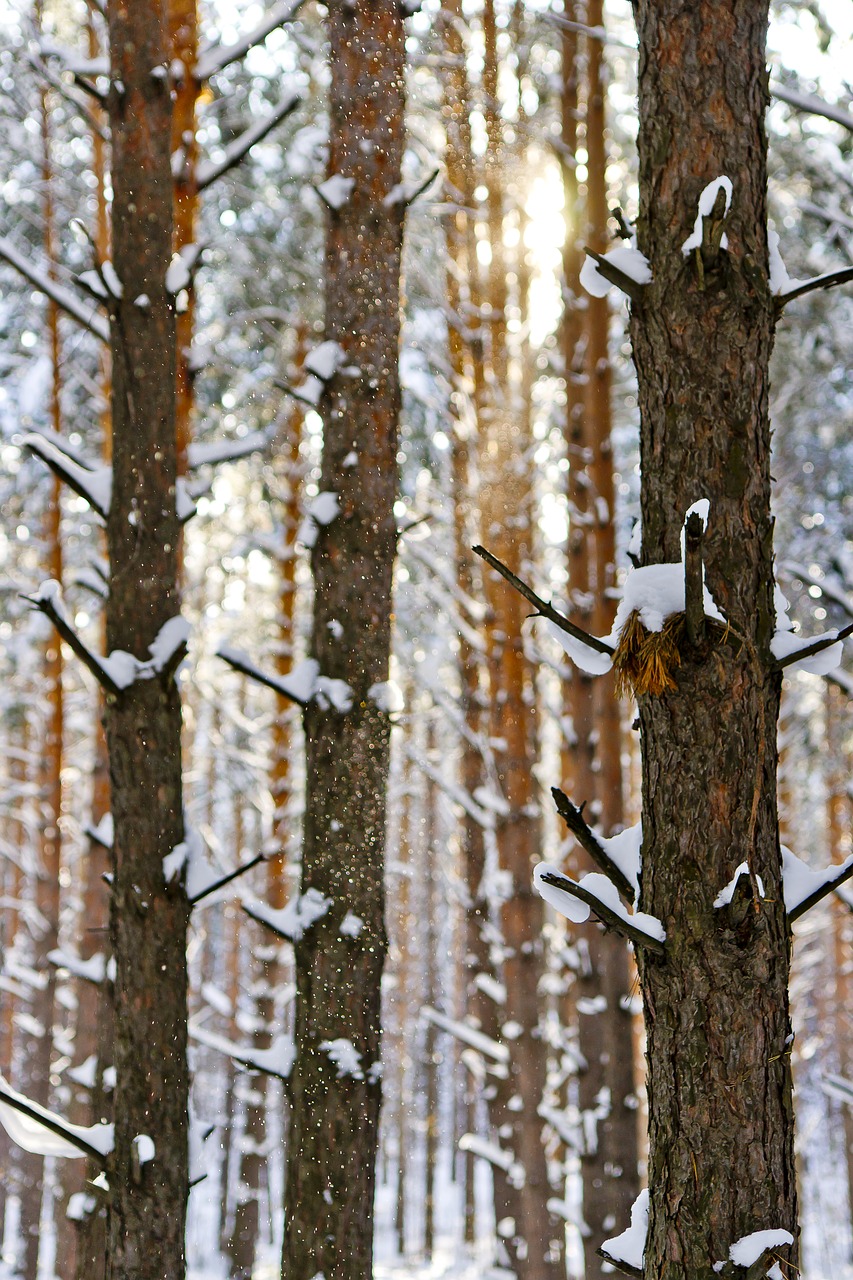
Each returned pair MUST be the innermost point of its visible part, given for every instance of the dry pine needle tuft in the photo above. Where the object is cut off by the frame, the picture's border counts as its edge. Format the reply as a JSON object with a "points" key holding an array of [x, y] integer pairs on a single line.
{"points": [[645, 660]]}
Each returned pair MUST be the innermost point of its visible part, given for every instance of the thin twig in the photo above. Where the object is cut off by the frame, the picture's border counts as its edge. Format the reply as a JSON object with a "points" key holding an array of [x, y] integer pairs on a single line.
{"points": [[589, 842], [226, 879], [241, 146], [543, 609]]}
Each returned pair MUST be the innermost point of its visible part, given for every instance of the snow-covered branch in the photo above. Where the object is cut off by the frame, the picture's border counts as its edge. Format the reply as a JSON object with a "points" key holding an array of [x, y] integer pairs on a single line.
{"points": [[200, 454], [217, 57], [209, 171], [43, 1133], [590, 843], [92, 483], [467, 1034], [592, 893], [817, 646], [47, 602], [804, 888], [543, 609], [287, 687], [812, 105], [626, 268], [827, 281], [276, 1061], [64, 298]]}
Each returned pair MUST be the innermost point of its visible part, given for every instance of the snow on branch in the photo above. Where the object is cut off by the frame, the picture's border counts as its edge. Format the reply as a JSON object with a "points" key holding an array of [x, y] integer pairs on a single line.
{"points": [[236, 150], [789, 649], [626, 1251], [94, 484], [489, 1151], [302, 684], [827, 281], [119, 670], [216, 58], [290, 922], [804, 888], [64, 298], [214, 885], [406, 193], [813, 105], [48, 601], [467, 1034], [543, 609], [625, 882], [276, 1061], [625, 267], [43, 1133], [206, 455], [575, 899]]}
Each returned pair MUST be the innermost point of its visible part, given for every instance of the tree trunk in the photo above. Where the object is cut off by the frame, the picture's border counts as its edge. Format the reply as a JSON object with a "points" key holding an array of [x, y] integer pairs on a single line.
{"points": [[335, 1108], [143, 722], [609, 1161], [721, 1162]]}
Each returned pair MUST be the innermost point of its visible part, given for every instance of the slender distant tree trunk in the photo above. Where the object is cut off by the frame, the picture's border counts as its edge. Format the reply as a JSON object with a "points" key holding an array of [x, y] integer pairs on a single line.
{"points": [[149, 917], [520, 1197], [609, 1159], [721, 1160], [335, 1107], [462, 267]]}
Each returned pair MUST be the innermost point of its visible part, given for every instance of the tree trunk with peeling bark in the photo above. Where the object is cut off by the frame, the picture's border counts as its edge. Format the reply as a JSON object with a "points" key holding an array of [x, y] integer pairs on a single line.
{"points": [[149, 917], [721, 1161], [335, 1095]]}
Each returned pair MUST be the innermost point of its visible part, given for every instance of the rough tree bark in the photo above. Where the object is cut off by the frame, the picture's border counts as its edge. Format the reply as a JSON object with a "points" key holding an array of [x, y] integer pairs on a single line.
{"points": [[721, 1162], [335, 1109], [143, 722]]}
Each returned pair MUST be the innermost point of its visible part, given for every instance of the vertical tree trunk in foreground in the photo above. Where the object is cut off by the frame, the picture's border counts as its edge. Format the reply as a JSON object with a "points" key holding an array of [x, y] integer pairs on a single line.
{"points": [[335, 1088], [721, 1161], [148, 916]]}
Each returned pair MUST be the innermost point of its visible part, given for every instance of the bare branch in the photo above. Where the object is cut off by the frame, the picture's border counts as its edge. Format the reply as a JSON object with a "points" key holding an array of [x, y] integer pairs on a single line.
{"points": [[242, 145], [828, 281], [607, 916], [217, 57], [226, 879], [543, 609], [830, 216], [64, 298], [405, 194], [810, 650], [694, 604], [589, 842]]}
